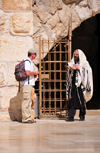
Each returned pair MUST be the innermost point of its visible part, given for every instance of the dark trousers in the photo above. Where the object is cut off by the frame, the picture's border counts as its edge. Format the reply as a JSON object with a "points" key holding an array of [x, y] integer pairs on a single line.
{"points": [[74, 103]]}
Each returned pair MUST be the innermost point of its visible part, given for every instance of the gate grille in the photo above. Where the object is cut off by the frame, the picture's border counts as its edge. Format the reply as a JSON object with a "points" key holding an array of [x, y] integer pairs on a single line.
{"points": [[52, 77]]}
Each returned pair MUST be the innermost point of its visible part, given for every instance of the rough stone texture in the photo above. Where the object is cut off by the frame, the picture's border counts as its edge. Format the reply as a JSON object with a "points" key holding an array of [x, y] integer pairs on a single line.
{"points": [[68, 1], [3, 74], [5, 96], [58, 30], [53, 5], [83, 3], [53, 21], [64, 15], [94, 5], [83, 12], [36, 24], [11, 77], [17, 5], [21, 24], [14, 48], [4, 24], [42, 14], [0, 3]]}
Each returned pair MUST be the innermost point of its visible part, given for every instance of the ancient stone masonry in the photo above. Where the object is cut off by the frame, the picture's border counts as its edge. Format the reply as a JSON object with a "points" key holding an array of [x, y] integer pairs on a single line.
{"points": [[16, 29], [22, 22], [51, 18]]}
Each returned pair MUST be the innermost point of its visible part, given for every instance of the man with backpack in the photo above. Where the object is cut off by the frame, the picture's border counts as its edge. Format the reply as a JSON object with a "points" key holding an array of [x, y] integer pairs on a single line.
{"points": [[27, 86]]}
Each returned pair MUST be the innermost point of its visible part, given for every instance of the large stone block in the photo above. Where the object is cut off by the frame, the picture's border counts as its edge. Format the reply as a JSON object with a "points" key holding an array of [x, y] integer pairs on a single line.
{"points": [[94, 5], [53, 21], [17, 5], [14, 48], [64, 15], [67, 13], [4, 24], [53, 5], [21, 24], [42, 14], [57, 31], [83, 12]]}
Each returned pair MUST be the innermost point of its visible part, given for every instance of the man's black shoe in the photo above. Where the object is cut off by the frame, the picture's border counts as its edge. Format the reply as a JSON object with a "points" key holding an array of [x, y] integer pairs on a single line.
{"points": [[69, 119], [82, 118]]}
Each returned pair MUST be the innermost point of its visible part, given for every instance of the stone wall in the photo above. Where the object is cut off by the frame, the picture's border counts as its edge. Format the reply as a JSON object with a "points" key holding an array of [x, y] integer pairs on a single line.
{"points": [[22, 22], [51, 17], [16, 30]]}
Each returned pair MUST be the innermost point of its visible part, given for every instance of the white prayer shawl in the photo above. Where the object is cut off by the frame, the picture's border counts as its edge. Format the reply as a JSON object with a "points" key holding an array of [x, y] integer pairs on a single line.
{"points": [[84, 76]]}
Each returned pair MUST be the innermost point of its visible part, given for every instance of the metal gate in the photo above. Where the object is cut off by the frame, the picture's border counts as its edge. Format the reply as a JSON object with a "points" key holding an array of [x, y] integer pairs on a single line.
{"points": [[53, 76]]}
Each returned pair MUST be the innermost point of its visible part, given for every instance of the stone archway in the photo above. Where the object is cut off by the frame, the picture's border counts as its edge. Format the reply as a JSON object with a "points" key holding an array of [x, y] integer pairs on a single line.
{"points": [[87, 37]]}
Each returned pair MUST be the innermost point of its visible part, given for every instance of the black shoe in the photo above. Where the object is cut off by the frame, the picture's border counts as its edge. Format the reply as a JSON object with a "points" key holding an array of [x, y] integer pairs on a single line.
{"points": [[82, 118], [69, 119]]}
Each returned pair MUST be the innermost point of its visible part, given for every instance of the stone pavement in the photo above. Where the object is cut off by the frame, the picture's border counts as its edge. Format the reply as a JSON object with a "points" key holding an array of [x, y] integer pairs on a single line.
{"points": [[52, 136]]}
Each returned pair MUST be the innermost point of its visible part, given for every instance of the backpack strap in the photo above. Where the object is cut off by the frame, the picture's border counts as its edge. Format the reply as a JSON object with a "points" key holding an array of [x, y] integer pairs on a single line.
{"points": [[30, 63], [19, 87]]}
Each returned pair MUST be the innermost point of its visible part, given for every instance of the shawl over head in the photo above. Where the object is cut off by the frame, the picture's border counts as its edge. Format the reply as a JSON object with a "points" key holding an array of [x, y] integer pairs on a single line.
{"points": [[84, 76]]}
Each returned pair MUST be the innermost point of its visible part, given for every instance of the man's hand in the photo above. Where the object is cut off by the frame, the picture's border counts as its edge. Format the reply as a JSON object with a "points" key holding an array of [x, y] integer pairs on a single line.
{"points": [[66, 99], [36, 73], [76, 66]]}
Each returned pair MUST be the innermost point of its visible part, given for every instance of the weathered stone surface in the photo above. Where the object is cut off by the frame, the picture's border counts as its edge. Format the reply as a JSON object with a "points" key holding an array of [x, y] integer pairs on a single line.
{"points": [[94, 5], [75, 19], [0, 3], [4, 24], [41, 13], [17, 5], [57, 31], [83, 12], [83, 3], [3, 74], [21, 24], [11, 76], [36, 43], [68, 1], [64, 15], [53, 5], [14, 48], [53, 21], [5, 96], [39, 2], [36, 24]]}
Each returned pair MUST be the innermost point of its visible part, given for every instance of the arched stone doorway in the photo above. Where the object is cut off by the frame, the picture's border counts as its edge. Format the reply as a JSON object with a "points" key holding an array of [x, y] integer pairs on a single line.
{"points": [[87, 38]]}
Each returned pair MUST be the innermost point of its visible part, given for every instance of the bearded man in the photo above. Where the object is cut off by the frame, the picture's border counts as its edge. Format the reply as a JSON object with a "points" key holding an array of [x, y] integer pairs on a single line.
{"points": [[79, 85]]}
